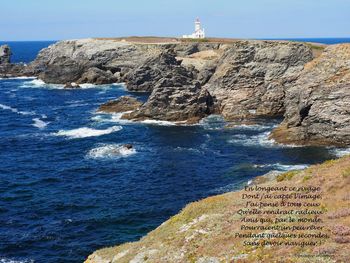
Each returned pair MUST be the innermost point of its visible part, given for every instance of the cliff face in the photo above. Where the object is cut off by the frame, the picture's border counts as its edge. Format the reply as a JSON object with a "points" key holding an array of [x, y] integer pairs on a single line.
{"points": [[204, 231], [251, 76], [318, 104]]}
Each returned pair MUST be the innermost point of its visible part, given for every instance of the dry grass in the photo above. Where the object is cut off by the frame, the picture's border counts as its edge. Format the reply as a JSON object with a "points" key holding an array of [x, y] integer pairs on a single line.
{"points": [[207, 228]]}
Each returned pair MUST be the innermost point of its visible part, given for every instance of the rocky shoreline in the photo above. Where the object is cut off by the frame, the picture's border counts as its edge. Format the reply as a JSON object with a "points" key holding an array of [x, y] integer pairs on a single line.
{"points": [[241, 80]]}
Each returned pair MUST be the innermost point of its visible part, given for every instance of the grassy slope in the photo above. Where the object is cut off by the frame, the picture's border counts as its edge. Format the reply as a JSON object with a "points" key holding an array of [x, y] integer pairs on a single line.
{"points": [[206, 229]]}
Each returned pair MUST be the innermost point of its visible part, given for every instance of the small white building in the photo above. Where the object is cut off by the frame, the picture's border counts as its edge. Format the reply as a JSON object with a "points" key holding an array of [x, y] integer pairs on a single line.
{"points": [[198, 31]]}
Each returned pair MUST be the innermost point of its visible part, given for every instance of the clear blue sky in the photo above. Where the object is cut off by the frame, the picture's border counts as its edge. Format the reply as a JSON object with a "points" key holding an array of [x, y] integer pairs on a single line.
{"points": [[66, 19]]}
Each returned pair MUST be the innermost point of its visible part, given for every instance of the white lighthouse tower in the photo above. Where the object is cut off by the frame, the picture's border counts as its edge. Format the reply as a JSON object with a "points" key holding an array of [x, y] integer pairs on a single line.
{"points": [[198, 31]]}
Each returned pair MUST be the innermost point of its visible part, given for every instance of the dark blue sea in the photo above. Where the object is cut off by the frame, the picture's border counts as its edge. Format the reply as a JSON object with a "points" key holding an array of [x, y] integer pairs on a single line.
{"points": [[68, 187]]}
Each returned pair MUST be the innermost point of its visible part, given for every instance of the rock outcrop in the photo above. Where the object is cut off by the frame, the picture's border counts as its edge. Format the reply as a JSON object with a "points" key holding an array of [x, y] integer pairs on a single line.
{"points": [[5, 54], [161, 70], [247, 78], [185, 103], [141, 65], [318, 104], [250, 77], [122, 104]]}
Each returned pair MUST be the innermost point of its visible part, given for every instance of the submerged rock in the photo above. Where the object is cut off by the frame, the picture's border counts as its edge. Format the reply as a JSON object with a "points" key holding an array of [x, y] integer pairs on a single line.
{"points": [[122, 104], [318, 104], [186, 103]]}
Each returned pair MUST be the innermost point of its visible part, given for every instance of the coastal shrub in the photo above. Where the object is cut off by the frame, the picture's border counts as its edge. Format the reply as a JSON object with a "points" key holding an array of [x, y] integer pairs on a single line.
{"points": [[346, 173], [286, 176], [306, 178], [316, 47]]}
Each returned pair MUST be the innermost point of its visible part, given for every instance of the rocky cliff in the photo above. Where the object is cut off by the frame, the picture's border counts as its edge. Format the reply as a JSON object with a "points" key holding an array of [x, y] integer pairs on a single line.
{"points": [[242, 79], [246, 79], [318, 103]]}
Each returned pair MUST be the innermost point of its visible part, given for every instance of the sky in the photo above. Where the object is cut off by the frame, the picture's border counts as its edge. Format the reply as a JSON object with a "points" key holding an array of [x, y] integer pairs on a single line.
{"points": [[71, 19]]}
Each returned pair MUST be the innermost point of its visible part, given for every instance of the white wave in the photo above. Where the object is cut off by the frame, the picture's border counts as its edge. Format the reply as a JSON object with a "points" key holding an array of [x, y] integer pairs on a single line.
{"points": [[85, 132], [11, 78], [89, 86], [283, 167], [40, 123], [7, 260], [339, 152], [261, 139], [117, 118], [110, 151], [161, 123], [254, 127], [38, 83], [14, 110]]}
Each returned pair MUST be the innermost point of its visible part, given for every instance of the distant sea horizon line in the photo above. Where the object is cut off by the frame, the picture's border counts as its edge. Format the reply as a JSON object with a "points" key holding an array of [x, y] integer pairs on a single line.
{"points": [[213, 37]]}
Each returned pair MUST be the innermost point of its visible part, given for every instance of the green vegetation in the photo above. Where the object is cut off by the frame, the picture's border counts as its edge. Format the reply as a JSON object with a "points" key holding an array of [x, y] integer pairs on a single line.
{"points": [[346, 173], [286, 176]]}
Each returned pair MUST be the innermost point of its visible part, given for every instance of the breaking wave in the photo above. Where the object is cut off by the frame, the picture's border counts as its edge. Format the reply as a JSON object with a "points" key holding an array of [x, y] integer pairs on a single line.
{"points": [[38, 83], [261, 139], [6, 260], [14, 110], [85, 132], [110, 151], [340, 152], [39, 123], [117, 118], [12, 78]]}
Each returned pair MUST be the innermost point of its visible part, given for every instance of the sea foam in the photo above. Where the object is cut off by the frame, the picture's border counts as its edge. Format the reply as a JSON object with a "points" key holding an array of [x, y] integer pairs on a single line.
{"points": [[110, 151], [340, 152], [39, 123], [14, 110], [85, 132], [38, 83], [117, 118]]}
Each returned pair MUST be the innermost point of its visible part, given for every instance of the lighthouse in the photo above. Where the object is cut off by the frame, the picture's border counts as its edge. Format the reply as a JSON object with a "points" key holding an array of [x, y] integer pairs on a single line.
{"points": [[198, 31]]}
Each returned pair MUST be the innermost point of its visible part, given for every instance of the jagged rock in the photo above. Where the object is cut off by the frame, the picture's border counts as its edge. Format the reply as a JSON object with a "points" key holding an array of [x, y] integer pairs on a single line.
{"points": [[160, 70], [122, 104], [185, 103], [67, 61], [5, 54], [250, 77], [61, 70], [318, 104], [97, 76], [128, 146]]}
